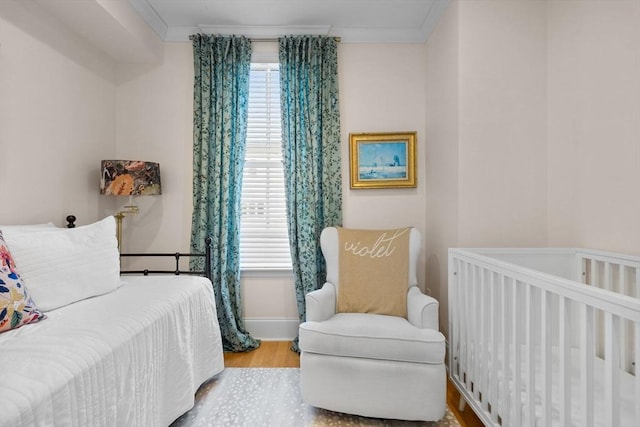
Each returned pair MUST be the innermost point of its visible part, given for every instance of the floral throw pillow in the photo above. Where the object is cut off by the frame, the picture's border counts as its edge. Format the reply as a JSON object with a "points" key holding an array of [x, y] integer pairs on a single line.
{"points": [[16, 306]]}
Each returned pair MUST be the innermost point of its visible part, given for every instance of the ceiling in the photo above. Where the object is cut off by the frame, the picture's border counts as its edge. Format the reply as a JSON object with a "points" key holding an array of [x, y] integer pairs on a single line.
{"points": [[133, 30]]}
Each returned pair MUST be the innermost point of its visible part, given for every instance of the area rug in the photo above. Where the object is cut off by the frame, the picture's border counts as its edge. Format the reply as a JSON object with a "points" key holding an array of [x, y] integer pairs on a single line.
{"points": [[270, 397]]}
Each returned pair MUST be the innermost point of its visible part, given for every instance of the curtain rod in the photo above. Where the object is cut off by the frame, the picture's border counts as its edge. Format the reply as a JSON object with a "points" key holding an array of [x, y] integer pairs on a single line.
{"points": [[275, 39]]}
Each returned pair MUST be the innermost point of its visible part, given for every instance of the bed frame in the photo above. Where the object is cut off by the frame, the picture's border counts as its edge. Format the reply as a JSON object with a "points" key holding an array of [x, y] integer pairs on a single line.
{"points": [[132, 355], [71, 219], [546, 337]]}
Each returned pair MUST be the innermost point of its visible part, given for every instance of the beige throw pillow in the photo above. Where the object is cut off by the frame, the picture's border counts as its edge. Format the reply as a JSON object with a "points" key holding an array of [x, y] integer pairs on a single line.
{"points": [[373, 271]]}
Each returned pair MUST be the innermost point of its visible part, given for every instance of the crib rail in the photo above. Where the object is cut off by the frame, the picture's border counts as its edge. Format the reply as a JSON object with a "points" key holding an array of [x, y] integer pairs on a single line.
{"points": [[617, 274], [528, 348]]}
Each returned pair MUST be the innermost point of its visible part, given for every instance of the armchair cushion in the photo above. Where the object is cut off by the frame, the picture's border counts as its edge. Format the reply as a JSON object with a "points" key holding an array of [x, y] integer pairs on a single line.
{"points": [[374, 271], [372, 336]]}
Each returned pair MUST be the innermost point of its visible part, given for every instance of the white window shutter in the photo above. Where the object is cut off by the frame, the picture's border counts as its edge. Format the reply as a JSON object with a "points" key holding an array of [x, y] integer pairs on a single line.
{"points": [[264, 241]]}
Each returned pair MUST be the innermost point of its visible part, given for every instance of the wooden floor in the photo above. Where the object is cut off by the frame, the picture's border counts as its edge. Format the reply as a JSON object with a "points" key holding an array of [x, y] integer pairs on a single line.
{"points": [[277, 354], [270, 354]]}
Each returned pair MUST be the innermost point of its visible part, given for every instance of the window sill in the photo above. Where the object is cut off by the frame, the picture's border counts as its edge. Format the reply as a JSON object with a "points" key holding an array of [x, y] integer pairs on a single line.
{"points": [[267, 272]]}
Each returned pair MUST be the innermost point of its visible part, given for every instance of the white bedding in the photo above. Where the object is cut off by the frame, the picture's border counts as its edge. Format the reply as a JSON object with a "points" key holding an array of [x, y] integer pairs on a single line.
{"points": [[626, 391], [626, 397], [133, 357]]}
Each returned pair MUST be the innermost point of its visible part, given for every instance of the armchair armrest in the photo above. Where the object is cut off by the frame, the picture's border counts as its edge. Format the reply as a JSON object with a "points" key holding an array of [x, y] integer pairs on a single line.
{"points": [[321, 303], [422, 310]]}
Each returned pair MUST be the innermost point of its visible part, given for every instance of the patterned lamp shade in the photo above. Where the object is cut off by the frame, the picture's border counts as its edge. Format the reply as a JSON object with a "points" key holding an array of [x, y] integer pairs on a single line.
{"points": [[130, 178]]}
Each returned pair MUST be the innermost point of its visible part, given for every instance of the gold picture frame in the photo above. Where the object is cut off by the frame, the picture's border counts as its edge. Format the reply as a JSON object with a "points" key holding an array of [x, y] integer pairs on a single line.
{"points": [[383, 160]]}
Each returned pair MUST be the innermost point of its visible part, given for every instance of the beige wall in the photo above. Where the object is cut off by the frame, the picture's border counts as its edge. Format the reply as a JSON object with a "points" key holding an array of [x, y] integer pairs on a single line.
{"points": [[57, 115], [594, 124], [544, 137], [502, 129], [87, 109], [441, 163], [486, 131], [154, 121], [382, 88], [527, 115]]}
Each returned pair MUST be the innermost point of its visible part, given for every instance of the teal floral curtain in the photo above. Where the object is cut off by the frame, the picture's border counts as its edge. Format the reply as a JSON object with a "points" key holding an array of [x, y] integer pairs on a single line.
{"points": [[311, 153], [220, 109]]}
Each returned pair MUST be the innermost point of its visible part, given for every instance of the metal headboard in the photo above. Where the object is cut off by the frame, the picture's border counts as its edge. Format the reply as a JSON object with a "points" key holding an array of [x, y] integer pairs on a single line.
{"points": [[71, 219]]}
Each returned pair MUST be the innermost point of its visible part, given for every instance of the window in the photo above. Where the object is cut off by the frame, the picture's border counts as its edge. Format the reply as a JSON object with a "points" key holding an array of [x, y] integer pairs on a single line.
{"points": [[264, 241]]}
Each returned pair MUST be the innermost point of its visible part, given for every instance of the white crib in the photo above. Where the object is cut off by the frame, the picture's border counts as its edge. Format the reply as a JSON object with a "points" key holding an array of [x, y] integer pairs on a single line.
{"points": [[546, 337]]}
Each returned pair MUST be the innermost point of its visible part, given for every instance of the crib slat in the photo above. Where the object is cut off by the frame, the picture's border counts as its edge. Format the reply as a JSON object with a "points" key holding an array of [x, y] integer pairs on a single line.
{"points": [[483, 340], [607, 282], [516, 415], [612, 373], [546, 343], [469, 327], [504, 408], [636, 327], [593, 275], [453, 316], [460, 322], [587, 352], [493, 369], [581, 269], [565, 361], [474, 333], [486, 349], [462, 338], [464, 311], [530, 363], [625, 346]]}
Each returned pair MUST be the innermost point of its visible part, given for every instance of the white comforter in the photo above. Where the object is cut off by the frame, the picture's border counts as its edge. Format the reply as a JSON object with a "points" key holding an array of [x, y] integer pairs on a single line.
{"points": [[133, 357]]}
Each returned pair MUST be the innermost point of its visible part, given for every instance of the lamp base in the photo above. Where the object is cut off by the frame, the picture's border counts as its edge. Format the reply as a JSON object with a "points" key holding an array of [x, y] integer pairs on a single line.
{"points": [[130, 209]]}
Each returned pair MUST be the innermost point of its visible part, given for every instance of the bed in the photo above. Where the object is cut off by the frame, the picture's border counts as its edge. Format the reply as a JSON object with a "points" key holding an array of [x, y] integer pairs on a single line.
{"points": [[107, 350], [545, 337]]}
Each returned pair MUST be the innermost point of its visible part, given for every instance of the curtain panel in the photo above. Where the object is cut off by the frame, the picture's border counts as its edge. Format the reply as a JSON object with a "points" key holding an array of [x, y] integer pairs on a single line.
{"points": [[311, 153], [220, 109]]}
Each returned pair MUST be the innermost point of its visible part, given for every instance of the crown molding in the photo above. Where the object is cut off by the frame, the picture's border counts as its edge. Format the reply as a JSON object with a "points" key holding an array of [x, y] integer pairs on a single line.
{"points": [[177, 34], [435, 12], [132, 31], [151, 17], [347, 35]]}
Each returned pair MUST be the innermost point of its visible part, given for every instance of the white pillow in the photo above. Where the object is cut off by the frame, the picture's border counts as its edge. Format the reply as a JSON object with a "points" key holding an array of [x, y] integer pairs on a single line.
{"points": [[28, 227], [63, 266]]}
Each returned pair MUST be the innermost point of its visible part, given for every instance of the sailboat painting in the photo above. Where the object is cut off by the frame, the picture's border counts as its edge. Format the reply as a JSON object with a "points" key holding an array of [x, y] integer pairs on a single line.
{"points": [[383, 160]]}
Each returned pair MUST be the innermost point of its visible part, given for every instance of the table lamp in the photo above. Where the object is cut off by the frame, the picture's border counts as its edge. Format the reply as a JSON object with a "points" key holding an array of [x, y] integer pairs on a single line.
{"points": [[129, 178]]}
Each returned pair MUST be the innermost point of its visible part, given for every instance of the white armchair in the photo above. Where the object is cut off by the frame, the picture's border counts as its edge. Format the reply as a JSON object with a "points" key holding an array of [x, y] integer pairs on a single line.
{"points": [[373, 365]]}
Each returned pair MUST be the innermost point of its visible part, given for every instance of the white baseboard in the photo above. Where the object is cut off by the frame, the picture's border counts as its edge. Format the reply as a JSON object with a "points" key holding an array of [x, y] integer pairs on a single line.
{"points": [[272, 329]]}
